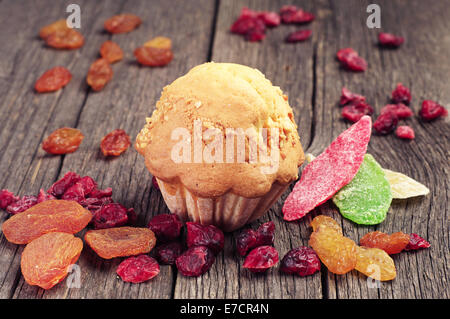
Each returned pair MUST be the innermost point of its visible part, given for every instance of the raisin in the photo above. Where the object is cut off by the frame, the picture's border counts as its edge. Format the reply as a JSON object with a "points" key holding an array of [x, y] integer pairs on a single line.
{"points": [[67, 39], [160, 43], [327, 221], [390, 40], [122, 23], [195, 261], [250, 239], [59, 187], [261, 258], [43, 196], [391, 244], [416, 242], [110, 215], [405, 132], [355, 111], [46, 260], [115, 143], [121, 241], [338, 253], [204, 235], [99, 74], [431, 110], [167, 253], [298, 36], [111, 52], [401, 94], [385, 123], [350, 60], [151, 56], [348, 97], [138, 269], [7, 198], [375, 263], [53, 80], [400, 110], [63, 140], [48, 216], [21, 205], [292, 14], [167, 227], [60, 25], [302, 261]]}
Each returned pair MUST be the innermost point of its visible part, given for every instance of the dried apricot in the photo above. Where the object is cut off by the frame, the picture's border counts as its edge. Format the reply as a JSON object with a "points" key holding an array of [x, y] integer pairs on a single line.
{"points": [[327, 221], [46, 260], [151, 56], [111, 51], [375, 263], [48, 216], [159, 42], [120, 241], [60, 25], [53, 79], [122, 23], [63, 140], [115, 143], [65, 39], [392, 244], [99, 74]]}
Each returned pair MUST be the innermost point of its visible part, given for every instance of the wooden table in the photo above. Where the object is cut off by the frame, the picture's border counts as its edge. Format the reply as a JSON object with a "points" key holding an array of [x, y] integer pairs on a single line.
{"points": [[307, 71]]}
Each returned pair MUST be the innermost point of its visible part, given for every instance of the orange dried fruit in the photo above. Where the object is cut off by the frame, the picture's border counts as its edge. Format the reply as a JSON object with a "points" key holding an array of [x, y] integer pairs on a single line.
{"points": [[99, 74], [111, 51], [122, 23], [327, 221], [392, 244], [53, 80], [375, 263], [63, 140], [68, 39], [60, 25], [48, 216], [120, 241], [160, 43], [152, 56], [46, 260], [115, 143]]}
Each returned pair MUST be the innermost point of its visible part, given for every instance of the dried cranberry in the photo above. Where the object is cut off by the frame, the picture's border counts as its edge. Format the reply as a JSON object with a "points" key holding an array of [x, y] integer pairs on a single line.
{"points": [[416, 242], [132, 216], [94, 204], [166, 227], [43, 196], [251, 24], [348, 97], [246, 241], [431, 110], [270, 19], [204, 235], [110, 215], [292, 14], [390, 40], [302, 261], [7, 198], [400, 110], [138, 269], [298, 36], [266, 233], [167, 253], [195, 261], [22, 204], [350, 60], [75, 193], [60, 186], [354, 112], [385, 123], [401, 94], [97, 193], [261, 258], [405, 132], [255, 35], [155, 182]]}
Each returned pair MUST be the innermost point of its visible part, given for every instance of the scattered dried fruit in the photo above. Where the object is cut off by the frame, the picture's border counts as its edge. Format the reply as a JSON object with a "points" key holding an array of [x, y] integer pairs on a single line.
{"points": [[53, 80], [292, 14], [151, 56], [46, 260], [204, 235], [390, 40], [298, 36], [110, 215], [195, 261], [327, 221], [400, 110], [167, 227], [62, 141], [138, 269], [355, 111], [60, 25], [122, 23], [401, 94], [348, 97], [159, 43], [391, 244], [431, 110], [405, 132], [385, 123], [115, 143], [261, 258], [403, 186], [270, 19], [111, 52], [302, 261], [99, 74], [168, 253], [375, 263], [249, 238], [350, 60], [121, 241], [66, 39], [416, 242]]}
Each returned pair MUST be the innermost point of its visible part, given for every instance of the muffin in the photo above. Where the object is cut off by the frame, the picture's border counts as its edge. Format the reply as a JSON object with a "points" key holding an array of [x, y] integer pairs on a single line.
{"points": [[222, 144]]}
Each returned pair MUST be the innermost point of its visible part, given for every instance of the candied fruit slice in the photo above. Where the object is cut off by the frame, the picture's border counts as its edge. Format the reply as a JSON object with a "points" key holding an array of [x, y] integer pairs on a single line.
{"points": [[63, 140], [152, 56], [168, 253], [53, 80], [138, 269], [122, 23], [46, 260], [160, 43], [111, 51], [167, 227], [120, 241], [416, 242], [261, 258], [204, 235], [375, 263], [110, 215], [391, 244], [99, 74], [401, 94], [403, 186], [115, 143], [327, 221], [48, 216], [195, 261], [405, 132], [431, 110], [302, 261]]}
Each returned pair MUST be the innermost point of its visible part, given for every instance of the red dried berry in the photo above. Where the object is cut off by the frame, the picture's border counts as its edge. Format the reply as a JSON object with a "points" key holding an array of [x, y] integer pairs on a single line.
{"points": [[431, 110], [400, 110], [261, 258], [348, 97], [22, 204], [138, 269], [401, 94], [246, 241], [350, 60], [252, 25], [75, 193], [354, 112], [405, 131], [270, 19], [110, 215], [195, 261], [390, 40], [115, 143], [43, 196], [255, 35], [168, 253], [53, 80], [7, 198], [166, 227], [292, 14], [94, 204], [155, 182], [385, 123], [302, 261], [132, 216], [298, 36], [416, 242], [59, 187], [204, 235], [266, 234]]}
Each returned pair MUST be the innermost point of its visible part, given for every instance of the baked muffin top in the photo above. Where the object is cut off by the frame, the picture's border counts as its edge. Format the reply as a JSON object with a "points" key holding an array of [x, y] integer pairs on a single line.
{"points": [[200, 110]]}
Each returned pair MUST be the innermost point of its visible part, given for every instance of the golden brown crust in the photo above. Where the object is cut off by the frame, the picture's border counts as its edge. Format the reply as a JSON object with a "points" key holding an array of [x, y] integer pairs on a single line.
{"points": [[221, 96]]}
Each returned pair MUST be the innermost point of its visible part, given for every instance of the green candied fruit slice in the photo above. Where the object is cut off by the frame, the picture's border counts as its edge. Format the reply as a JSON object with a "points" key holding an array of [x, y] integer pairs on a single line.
{"points": [[367, 198]]}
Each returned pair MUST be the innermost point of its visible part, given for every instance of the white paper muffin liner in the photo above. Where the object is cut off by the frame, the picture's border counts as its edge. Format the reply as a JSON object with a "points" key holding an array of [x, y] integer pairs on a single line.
{"points": [[228, 212]]}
